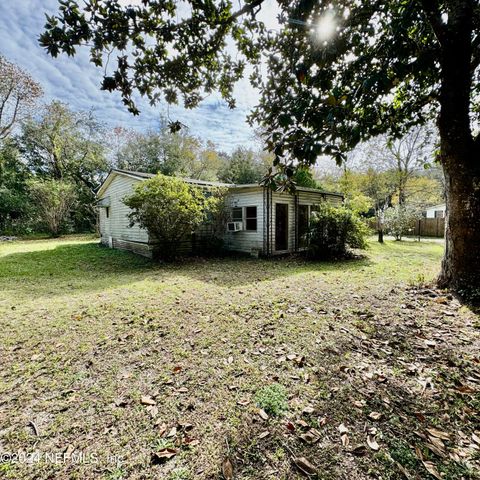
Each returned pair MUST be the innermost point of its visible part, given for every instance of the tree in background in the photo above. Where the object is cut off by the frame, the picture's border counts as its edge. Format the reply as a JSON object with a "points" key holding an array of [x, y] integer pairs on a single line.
{"points": [[338, 74], [243, 166], [400, 220], [65, 145], [157, 152], [170, 210], [15, 204], [53, 200], [19, 93], [405, 156]]}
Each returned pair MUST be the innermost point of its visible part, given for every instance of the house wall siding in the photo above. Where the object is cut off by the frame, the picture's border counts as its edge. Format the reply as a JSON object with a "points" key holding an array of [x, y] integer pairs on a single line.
{"points": [[117, 225], [246, 241]]}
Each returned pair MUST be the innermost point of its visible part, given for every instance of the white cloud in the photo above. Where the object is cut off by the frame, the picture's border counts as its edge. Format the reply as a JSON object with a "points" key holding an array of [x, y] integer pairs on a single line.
{"points": [[77, 82]]}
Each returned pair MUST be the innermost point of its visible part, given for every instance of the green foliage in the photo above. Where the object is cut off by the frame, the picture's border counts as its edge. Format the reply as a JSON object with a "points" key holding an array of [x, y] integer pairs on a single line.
{"points": [[400, 220], [303, 177], [171, 210], [53, 199], [272, 399], [335, 229], [62, 144], [244, 166], [15, 205]]}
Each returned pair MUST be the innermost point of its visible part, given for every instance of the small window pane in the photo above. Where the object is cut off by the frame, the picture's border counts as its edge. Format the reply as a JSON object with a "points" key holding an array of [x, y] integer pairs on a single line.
{"points": [[251, 218], [251, 223], [237, 214]]}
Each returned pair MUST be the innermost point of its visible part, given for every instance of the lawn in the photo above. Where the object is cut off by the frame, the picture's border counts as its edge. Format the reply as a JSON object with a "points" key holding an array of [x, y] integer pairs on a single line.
{"points": [[114, 367]]}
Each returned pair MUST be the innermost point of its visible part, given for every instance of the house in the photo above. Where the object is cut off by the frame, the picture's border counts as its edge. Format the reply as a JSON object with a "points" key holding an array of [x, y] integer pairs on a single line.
{"points": [[263, 222], [436, 211]]}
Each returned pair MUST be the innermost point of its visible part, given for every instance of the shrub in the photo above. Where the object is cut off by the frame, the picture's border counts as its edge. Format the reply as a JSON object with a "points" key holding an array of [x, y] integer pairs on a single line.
{"points": [[399, 220], [272, 399], [170, 210], [333, 230], [53, 200]]}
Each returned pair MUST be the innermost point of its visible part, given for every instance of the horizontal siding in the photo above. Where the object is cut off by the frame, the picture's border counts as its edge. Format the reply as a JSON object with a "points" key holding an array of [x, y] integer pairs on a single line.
{"points": [[117, 225], [246, 241]]}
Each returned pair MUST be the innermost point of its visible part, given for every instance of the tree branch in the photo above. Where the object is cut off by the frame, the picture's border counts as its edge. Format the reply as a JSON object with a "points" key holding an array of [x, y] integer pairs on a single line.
{"points": [[434, 17]]}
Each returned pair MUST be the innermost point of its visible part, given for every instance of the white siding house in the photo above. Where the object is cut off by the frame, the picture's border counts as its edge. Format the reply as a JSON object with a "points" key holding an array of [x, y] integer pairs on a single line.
{"points": [[268, 222], [436, 211]]}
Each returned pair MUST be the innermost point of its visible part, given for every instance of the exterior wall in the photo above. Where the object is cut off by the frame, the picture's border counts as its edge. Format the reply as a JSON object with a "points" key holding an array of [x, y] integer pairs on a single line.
{"points": [[431, 211], [252, 242], [304, 198], [115, 230], [246, 241]]}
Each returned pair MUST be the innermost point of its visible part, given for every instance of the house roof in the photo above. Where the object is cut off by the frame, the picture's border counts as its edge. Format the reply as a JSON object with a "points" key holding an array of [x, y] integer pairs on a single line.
{"points": [[442, 205], [143, 175]]}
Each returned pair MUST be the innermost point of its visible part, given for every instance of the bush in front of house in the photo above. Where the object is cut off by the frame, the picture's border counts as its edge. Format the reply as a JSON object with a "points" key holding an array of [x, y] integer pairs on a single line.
{"points": [[335, 230], [171, 211]]}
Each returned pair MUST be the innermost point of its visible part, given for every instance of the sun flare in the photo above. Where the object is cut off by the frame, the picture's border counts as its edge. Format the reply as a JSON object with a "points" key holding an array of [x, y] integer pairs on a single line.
{"points": [[326, 27]]}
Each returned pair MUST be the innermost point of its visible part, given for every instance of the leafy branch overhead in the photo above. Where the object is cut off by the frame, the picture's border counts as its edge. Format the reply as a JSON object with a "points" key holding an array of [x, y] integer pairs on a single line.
{"points": [[380, 71], [159, 56]]}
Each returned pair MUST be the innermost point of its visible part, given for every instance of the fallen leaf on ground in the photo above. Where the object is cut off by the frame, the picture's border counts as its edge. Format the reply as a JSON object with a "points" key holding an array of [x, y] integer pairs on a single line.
{"points": [[375, 415], [147, 400], [304, 466], [263, 414], [342, 428], [438, 433], [372, 443], [163, 455], [431, 469], [264, 434], [227, 469]]}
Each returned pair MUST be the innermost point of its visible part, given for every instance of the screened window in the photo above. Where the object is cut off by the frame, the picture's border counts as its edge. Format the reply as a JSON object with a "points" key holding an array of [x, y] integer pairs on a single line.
{"points": [[107, 212], [237, 214], [250, 218]]}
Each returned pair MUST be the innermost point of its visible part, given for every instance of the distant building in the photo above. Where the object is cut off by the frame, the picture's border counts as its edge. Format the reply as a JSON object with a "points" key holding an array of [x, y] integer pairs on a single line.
{"points": [[436, 211]]}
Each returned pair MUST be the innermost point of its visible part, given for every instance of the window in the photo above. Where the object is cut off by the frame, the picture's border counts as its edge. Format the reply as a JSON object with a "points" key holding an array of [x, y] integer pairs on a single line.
{"points": [[237, 214], [250, 218], [439, 214], [107, 211]]}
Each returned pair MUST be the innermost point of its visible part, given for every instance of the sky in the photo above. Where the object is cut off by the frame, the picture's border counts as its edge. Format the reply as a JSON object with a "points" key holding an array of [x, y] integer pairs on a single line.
{"points": [[77, 82]]}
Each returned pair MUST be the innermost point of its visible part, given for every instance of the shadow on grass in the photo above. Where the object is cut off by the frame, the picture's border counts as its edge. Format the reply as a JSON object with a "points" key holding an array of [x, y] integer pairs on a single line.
{"points": [[410, 386], [89, 267]]}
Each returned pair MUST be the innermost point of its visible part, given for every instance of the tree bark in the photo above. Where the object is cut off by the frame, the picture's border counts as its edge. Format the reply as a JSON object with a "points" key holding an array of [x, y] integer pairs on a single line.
{"points": [[461, 262], [460, 157]]}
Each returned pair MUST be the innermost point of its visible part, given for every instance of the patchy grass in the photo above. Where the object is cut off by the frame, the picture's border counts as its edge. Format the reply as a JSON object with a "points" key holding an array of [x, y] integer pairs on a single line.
{"points": [[127, 369]]}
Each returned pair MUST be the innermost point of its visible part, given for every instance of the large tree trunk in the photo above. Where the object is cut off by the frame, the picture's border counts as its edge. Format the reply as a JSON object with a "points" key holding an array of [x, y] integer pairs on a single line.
{"points": [[461, 263], [460, 156]]}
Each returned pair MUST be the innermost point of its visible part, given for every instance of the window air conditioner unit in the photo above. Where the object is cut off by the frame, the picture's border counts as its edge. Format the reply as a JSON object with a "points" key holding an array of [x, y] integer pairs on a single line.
{"points": [[234, 226]]}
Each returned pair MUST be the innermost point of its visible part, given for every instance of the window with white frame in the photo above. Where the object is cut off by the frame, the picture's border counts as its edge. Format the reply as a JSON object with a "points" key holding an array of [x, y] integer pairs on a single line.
{"points": [[246, 215]]}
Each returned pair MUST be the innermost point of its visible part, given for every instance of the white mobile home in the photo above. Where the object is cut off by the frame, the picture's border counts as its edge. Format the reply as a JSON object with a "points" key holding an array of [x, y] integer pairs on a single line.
{"points": [[263, 222]]}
